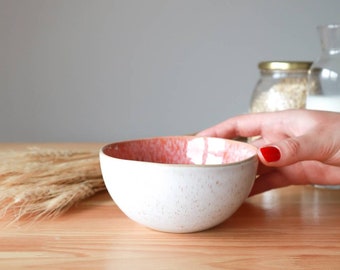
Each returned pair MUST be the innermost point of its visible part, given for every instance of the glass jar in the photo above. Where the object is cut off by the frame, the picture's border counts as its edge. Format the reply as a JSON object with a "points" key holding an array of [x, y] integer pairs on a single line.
{"points": [[325, 71], [282, 85]]}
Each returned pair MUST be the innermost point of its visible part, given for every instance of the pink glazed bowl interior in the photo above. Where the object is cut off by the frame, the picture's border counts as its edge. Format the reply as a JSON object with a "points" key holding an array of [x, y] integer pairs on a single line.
{"points": [[181, 150]]}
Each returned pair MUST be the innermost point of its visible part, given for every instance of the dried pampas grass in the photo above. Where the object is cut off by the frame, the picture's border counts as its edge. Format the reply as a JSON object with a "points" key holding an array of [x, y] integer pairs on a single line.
{"points": [[39, 183]]}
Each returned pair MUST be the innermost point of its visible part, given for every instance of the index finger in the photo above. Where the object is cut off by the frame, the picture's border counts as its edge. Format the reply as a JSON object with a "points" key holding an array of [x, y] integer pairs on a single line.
{"points": [[247, 125]]}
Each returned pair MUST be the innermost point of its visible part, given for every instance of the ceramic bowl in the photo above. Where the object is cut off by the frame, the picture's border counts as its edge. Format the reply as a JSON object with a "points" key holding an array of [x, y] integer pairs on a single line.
{"points": [[179, 184]]}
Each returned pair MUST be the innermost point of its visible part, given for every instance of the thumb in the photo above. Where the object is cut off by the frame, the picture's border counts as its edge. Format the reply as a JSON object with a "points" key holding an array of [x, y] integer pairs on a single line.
{"points": [[292, 150]]}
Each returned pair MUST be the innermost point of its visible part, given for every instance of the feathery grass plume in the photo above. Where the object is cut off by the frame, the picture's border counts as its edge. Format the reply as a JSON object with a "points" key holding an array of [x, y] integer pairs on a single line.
{"points": [[39, 183]]}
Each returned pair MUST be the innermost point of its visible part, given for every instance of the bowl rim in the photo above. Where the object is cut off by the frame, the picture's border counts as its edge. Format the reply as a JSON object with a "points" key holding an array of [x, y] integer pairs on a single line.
{"points": [[254, 156]]}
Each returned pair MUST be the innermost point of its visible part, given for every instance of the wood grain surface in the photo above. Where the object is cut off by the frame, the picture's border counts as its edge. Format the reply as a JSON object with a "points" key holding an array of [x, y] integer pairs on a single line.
{"points": [[288, 228]]}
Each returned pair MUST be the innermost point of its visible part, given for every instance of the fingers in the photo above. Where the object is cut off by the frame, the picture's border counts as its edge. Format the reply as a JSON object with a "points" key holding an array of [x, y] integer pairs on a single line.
{"points": [[255, 124], [295, 149], [243, 125], [305, 173], [268, 182], [271, 178]]}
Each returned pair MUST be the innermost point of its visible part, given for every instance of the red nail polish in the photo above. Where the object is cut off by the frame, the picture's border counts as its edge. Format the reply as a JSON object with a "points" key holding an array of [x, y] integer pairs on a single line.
{"points": [[270, 153]]}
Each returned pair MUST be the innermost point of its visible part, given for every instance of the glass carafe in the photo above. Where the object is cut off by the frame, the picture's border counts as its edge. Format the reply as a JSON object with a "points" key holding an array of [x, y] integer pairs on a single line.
{"points": [[324, 75], [325, 72]]}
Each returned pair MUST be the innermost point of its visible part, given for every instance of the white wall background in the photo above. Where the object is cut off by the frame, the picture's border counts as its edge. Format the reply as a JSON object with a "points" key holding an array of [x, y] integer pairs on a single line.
{"points": [[106, 70]]}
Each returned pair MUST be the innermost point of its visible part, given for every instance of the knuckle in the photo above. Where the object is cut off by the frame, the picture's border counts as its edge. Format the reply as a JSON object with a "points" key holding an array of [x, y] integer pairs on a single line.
{"points": [[292, 146]]}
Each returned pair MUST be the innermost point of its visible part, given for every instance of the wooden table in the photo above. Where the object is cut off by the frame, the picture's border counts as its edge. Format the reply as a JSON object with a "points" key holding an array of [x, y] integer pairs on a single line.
{"points": [[289, 228]]}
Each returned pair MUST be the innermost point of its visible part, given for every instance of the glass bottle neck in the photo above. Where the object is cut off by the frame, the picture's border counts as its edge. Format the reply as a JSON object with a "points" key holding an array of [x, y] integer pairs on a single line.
{"points": [[330, 38]]}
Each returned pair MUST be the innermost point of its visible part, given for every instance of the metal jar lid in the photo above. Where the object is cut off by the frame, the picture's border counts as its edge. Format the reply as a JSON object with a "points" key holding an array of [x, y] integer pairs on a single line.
{"points": [[285, 65]]}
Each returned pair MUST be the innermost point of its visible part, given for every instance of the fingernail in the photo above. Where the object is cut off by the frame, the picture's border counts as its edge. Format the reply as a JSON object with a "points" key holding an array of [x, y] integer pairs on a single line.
{"points": [[270, 153]]}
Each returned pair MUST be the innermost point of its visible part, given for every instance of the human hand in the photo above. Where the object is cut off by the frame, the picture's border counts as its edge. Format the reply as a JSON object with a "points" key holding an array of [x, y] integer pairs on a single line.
{"points": [[296, 147]]}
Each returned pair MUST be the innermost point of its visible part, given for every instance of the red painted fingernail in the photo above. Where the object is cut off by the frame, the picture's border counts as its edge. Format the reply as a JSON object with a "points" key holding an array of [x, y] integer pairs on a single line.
{"points": [[270, 153]]}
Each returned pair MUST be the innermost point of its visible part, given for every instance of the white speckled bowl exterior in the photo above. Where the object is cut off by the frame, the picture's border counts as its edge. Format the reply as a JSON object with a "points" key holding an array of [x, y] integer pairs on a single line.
{"points": [[184, 197]]}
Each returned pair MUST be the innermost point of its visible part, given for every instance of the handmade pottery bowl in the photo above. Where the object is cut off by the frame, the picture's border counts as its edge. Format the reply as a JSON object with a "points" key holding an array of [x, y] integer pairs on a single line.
{"points": [[179, 184]]}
